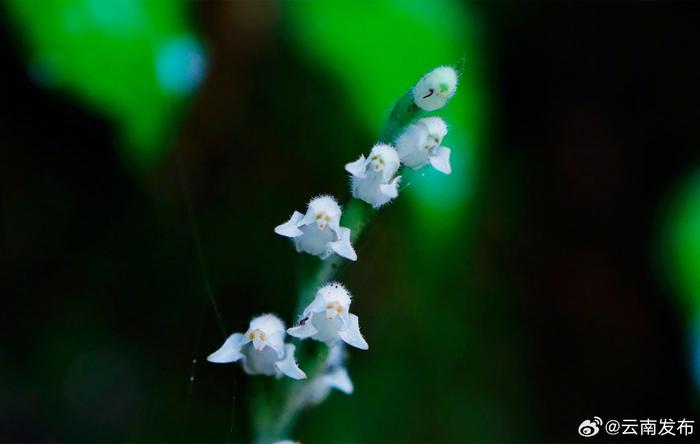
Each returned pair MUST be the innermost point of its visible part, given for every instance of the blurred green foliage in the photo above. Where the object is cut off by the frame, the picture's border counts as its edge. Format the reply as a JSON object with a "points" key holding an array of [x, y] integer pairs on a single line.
{"points": [[131, 60], [682, 243]]}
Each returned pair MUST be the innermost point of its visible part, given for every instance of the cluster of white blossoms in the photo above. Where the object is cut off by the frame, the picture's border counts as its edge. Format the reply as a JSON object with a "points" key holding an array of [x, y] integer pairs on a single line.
{"points": [[373, 179], [262, 349]]}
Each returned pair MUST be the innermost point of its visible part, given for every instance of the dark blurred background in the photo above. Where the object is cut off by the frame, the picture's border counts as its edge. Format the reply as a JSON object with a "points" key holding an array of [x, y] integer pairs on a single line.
{"points": [[555, 276]]}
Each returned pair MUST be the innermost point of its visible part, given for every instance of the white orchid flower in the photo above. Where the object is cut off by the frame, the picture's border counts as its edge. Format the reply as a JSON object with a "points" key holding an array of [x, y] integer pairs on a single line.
{"points": [[261, 349], [318, 232], [434, 89], [328, 319], [419, 145], [334, 377], [373, 178]]}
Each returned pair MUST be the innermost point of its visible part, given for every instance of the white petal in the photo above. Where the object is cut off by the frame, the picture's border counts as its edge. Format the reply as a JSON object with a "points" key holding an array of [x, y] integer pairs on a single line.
{"points": [[290, 228], [339, 379], [441, 160], [288, 365], [333, 292], [350, 333], [324, 204], [390, 157], [297, 244], [268, 323], [409, 146], [318, 390], [342, 246], [390, 169], [436, 127], [315, 241], [357, 168], [308, 219], [327, 328], [230, 351], [303, 331], [258, 343], [276, 342], [259, 362], [334, 225], [318, 304], [336, 355], [391, 189]]}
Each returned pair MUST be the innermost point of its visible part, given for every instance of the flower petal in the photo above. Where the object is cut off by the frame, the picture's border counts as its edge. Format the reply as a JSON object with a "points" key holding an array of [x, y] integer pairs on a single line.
{"points": [[288, 365], [308, 219], [290, 228], [303, 331], [350, 333], [441, 160], [230, 351], [342, 246], [339, 379], [276, 342], [357, 168], [268, 323], [391, 189]]}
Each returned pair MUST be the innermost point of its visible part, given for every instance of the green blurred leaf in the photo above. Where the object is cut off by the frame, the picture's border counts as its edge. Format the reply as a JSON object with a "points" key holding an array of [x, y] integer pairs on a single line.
{"points": [[682, 245], [131, 60]]}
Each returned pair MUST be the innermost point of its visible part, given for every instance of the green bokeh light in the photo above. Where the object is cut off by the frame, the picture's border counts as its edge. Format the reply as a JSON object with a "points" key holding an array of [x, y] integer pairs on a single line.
{"points": [[682, 241], [131, 60]]}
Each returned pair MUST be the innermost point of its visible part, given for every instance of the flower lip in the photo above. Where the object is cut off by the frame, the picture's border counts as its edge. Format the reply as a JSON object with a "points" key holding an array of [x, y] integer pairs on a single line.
{"points": [[377, 162], [333, 309], [257, 337], [322, 219]]}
